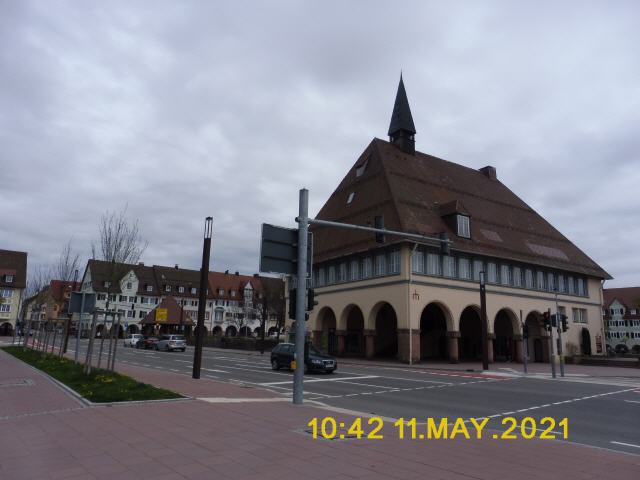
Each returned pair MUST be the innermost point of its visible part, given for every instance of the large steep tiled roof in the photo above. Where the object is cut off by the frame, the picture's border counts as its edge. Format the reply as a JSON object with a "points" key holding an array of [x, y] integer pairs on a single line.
{"points": [[14, 264], [416, 192], [628, 296]]}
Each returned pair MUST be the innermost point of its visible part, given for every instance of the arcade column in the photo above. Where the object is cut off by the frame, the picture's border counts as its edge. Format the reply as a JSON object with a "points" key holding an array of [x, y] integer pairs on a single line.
{"points": [[452, 341], [369, 343], [341, 335]]}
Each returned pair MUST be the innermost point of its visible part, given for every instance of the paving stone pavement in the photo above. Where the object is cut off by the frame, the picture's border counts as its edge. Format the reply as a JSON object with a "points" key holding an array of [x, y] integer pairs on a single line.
{"points": [[47, 434]]}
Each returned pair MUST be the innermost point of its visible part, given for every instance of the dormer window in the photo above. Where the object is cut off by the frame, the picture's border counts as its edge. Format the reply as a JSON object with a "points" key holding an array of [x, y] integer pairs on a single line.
{"points": [[129, 285], [180, 289], [350, 198], [8, 278], [233, 293], [463, 226], [193, 290], [149, 288], [361, 168], [167, 288], [107, 284], [221, 291]]}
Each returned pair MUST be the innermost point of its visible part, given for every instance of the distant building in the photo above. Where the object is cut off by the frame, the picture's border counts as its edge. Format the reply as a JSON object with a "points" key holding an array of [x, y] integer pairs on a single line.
{"points": [[13, 282], [234, 301], [405, 300], [621, 315]]}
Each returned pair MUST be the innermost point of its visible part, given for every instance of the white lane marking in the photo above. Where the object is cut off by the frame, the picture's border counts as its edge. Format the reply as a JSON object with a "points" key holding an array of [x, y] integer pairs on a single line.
{"points": [[626, 444], [241, 400], [316, 380], [212, 370], [366, 384], [632, 401]]}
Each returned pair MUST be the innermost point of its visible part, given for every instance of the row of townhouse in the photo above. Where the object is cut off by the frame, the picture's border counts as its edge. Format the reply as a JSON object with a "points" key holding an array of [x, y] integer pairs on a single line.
{"points": [[13, 282], [234, 302], [621, 316]]}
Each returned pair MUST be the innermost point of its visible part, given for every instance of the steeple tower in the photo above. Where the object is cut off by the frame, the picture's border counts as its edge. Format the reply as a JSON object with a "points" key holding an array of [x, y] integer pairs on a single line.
{"points": [[401, 129]]}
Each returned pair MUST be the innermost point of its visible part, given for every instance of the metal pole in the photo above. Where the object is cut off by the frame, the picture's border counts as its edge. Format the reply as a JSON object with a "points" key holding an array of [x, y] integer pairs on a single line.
{"points": [[115, 346], [413, 251], [483, 319], [113, 324], [79, 329], [551, 353], [202, 301], [559, 329], [303, 228], [92, 334], [525, 340], [67, 323]]}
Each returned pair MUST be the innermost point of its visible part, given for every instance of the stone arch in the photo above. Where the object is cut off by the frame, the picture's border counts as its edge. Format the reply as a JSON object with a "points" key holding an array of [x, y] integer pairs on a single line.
{"points": [[386, 328], [272, 331], [470, 343], [133, 329], [327, 326], [119, 329], [245, 331], [435, 321], [505, 327], [537, 347], [217, 331], [100, 330], [585, 342], [354, 327], [231, 331], [257, 331], [6, 329]]}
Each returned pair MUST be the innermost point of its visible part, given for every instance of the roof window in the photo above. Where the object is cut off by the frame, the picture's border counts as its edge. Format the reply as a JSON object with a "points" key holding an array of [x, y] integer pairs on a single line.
{"points": [[463, 226], [350, 198]]}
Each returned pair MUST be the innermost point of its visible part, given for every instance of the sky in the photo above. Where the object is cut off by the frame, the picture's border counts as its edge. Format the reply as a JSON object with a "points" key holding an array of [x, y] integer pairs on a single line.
{"points": [[180, 110]]}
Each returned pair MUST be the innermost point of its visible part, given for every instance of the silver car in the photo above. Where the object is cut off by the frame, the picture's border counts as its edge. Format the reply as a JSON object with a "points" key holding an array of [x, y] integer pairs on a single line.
{"points": [[171, 343]]}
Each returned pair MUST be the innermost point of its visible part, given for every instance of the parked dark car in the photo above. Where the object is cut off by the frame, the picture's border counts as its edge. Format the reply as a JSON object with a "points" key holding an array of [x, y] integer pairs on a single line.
{"points": [[147, 343], [315, 361], [621, 349]]}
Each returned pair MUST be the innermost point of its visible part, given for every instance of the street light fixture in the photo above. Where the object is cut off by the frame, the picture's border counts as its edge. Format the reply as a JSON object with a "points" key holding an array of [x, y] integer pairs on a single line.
{"points": [[204, 276]]}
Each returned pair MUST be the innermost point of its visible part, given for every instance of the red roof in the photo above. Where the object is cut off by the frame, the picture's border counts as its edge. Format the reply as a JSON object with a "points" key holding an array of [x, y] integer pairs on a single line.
{"points": [[175, 314], [14, 264], [628, 296], [59, 287]]}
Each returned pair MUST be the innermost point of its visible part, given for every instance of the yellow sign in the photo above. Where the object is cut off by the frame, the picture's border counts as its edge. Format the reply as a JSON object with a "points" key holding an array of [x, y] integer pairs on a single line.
{"points": [[161, 315], [293, 365]]}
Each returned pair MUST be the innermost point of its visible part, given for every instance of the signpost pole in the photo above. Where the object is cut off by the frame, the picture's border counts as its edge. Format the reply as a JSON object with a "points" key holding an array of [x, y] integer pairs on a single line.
{"points": [[79, 330], [303, 227]]}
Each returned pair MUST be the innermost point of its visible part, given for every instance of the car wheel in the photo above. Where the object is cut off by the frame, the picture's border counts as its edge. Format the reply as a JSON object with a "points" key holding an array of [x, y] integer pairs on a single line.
{"points": [[274, 365], [184, 349]]}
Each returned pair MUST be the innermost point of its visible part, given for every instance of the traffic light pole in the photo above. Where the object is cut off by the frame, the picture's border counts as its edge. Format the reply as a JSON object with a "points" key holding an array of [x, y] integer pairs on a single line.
{"points": [[483, 319], [551, 354], [303, 228], [525, 342], [559, 328]]}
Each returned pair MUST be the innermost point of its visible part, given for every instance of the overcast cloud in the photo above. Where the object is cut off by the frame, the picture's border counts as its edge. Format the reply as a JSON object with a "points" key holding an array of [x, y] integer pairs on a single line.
{"points": [[192, 108]]}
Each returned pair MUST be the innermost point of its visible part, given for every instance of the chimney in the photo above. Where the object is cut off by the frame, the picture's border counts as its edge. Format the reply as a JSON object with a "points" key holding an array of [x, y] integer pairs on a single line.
{"points": [[226, 272], [238, 273], [141, 264], [176, 267], [490, 172]]}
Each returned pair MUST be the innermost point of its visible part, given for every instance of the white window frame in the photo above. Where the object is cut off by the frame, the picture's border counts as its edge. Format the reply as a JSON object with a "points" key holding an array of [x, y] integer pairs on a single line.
{"points": [[464, 227]]}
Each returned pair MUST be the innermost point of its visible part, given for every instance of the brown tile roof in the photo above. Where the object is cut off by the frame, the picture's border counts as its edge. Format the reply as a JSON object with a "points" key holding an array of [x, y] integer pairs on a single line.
{"points": [[629, 296], [59, 287], [415, 193], [176, 315], [13, 263], [231, 281]]}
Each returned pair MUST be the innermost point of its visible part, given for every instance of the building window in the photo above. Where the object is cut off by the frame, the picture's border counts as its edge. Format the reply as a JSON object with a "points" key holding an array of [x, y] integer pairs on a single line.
{"points": [[342, 272], [492, 272], [354, 270], [101, 296], [633, 311], [194, 303], [366, 267], [433, 264], [8, 278], [581, 289], [194, 290], [464, 271], [233, 293], [131, 313], [540, 285], [180, 289], [142, 314], [517, 277], [380, 265], [562, 285], [321, 278], [149, 288], [5, 307], [463, 226], [332, 275], [350, 197], [107, 284], [122, 298], [133, 299], [579, 315], [478, 266], [449, 266], [571, 285], [505, 275], [167, 288], [528, 278], [394, 261], [417, 261], [6, 293], [129, 286]]}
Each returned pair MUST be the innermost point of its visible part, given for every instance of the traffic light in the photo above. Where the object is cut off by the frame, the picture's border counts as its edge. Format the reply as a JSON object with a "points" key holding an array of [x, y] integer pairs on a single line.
{"points": [[311, 301], [379, 223], [293, 293], [547, 321], [565, 325], [444, 244]]}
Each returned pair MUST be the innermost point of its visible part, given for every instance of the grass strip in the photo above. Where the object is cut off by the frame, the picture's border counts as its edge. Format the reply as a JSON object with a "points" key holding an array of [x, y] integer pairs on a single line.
{"points": [[99, 386]]}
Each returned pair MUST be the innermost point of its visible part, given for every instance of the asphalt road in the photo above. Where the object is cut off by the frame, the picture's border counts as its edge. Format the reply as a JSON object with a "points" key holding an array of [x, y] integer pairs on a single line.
{"points": [[600, 413]]}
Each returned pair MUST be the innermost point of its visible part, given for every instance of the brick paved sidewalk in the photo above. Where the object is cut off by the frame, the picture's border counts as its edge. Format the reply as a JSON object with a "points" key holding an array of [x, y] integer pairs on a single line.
{"points": [[250, 440]]}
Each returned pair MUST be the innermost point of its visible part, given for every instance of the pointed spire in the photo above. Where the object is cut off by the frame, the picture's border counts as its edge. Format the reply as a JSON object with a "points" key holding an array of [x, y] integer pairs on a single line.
{"points": [[401, 118], [401, 128]]}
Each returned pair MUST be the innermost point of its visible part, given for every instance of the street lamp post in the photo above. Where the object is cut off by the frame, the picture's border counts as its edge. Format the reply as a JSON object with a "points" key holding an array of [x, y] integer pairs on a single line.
{"points": [[483, 319], [204, 275]]}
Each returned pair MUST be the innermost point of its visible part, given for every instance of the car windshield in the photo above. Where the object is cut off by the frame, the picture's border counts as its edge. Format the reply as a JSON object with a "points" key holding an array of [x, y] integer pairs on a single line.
{"points": [[178, 337], [314, 351]]}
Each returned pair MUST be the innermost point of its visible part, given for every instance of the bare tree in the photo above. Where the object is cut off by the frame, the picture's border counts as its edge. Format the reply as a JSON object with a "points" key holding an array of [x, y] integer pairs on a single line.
{"points": [[38, 279], [119, 239], [273, 304], [68, 263]]}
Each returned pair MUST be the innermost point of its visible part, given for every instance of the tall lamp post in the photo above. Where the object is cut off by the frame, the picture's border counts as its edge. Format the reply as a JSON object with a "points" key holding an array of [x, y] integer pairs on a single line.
{"points": [[483, 320], [202, 301]]}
